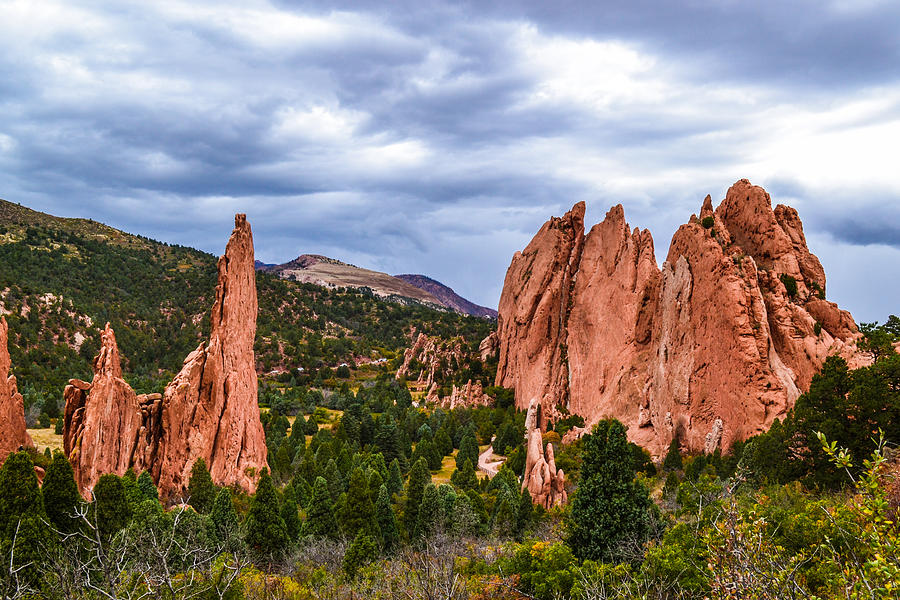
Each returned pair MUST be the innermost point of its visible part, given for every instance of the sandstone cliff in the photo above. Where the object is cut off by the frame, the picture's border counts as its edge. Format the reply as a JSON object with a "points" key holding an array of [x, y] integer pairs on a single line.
{"points": [[13, 434], [429, 360], [712, 347], [209, 410]]}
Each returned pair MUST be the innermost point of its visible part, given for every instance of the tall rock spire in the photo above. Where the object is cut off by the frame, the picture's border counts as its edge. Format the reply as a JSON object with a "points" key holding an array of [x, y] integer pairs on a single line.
{"points": [[13, 434], [210, 409]]}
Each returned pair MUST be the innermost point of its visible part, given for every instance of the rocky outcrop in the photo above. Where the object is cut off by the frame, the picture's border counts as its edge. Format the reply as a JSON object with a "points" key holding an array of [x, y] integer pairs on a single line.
{"points": [[104, 420], [13, 435], [429, 360], [533, 315], [470, 395], [209, 410], [544, 481], [489, 347], [711, 347]]}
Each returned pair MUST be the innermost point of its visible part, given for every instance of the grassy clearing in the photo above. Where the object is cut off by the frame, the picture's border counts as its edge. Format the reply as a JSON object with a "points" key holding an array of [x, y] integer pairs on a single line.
{"points": [[448, 465], [46, 438]]}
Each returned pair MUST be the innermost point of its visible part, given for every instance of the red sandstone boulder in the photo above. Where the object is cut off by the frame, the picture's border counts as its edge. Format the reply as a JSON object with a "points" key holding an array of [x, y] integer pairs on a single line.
{"points": [[544, 482], [13, 435], [712, 347]]}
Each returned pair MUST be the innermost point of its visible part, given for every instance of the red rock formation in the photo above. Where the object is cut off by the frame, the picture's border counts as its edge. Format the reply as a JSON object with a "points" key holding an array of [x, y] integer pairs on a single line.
{"points": [[13, 435], [103, 420], [711, 346], [210, 409], [429, 360], [469, 396], [534, 309], [489, 346], [544, 481]]}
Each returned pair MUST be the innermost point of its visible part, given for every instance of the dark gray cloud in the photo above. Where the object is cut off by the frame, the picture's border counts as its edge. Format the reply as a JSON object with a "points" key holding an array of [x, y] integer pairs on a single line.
{"points": [[437, 137]]}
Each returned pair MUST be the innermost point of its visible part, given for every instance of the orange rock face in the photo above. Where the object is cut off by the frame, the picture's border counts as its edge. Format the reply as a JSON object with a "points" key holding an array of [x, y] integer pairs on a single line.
{"points": [[428, 359], [209, 410], [103, 420], [712, 347], [469, 396], [13, 435]]}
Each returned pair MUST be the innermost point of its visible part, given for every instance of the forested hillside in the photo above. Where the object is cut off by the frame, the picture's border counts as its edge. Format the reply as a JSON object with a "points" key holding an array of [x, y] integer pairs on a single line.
{"points": [[61, 280]]}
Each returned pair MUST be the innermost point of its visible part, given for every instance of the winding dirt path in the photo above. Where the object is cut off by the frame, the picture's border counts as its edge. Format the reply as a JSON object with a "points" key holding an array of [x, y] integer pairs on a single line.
{"points": [[484, 462]]}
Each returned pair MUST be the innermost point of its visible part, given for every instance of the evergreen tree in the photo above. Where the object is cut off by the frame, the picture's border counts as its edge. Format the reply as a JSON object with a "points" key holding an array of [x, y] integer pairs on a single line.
{"points": [[291, 516], [443, 443], [504, 519], [429, 514], [298, 432], [201, 489], [21, 517], [147, 487], [225, 519], [387, 438], [673, 461], [61, 497], [111, 507], [387, 521], [468, 450], [419, 477], [375, 481], [320, 521], [447, 496], [311, 426], [609, 506], [525, 514], [283, 458], [132, 492], [395, 479], [358, 511], [335, 480], [266, 532], [362, 551], [465, 478], [464, 520]]}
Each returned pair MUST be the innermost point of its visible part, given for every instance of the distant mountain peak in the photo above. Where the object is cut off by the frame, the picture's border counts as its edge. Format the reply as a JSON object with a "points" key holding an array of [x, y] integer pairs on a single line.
{"points": [[447, 296]]}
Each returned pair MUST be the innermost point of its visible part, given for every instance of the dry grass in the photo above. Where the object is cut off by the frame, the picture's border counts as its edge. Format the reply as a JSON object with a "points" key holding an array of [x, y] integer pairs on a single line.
{"points": [[45, 438], [448, 465]]}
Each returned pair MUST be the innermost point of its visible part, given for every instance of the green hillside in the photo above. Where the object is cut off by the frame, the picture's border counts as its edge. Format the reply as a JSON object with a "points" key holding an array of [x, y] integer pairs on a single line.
{"points": [[61, 280]]}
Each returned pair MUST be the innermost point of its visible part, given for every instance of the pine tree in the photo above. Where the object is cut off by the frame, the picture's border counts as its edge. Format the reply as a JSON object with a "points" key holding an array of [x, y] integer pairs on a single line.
{"points": [[61, 497], [21, 517], [468, 450], [201, 489], [320, 521], [362, 551], [673, 461], [525, 514], [111, 507], [395, 479], [429, 514], [443, 443], [387, 521], [266, 531], [419, 476], [132, 493], [291, 516], [335, 480], [504, 520], [147, 487], [225, 519], [387, 438], [358, 511], [465, 478], [375, 481], [609, 506], [298, 433], [283, 458]]}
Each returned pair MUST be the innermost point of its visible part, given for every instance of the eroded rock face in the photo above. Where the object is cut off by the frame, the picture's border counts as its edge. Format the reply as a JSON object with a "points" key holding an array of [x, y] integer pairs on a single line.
{"points": [[210, 409], [103, 420], [13, 434], [428, 359], [544, 481], [712, 347], [470, 395]]}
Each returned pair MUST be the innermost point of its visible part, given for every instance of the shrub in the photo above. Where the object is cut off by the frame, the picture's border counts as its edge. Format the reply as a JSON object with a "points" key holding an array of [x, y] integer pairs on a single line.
{"points": [[790, 284], [708, 222]]}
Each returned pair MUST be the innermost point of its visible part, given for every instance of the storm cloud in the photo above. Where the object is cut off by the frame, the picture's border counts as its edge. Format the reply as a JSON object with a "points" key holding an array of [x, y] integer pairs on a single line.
{"points": [[437, 137]]}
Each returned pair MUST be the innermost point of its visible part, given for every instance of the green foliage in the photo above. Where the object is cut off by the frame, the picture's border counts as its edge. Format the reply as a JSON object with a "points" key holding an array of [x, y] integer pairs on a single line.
{"points": [[429, 513], [61, 497], [879, 340], [362, 551], [320, 521], [609, 507], [465, 478], [358, 511], [266, 531], [643, 462], [387, 521], [147, 487], [291, 517], [673, 462], [201, 489], [112, 510], [419, 477], [708, 222], [224, 519], [790, 284], [546, 571], [468, 450], [23, 534]]}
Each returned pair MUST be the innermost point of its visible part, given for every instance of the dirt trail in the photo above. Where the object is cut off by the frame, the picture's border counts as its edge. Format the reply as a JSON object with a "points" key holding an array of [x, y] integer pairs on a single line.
{"points": [[484, 462]]}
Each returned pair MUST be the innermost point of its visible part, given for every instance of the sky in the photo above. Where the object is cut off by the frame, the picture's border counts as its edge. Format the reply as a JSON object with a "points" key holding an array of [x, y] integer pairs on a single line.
{"points": [[436, 137]]}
